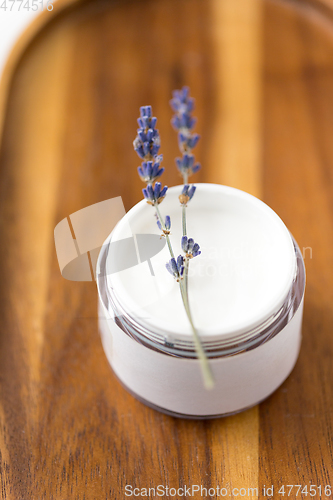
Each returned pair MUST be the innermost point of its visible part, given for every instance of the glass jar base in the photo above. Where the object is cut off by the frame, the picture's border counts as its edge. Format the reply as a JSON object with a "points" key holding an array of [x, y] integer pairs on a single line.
{"points": [[184, 416]]}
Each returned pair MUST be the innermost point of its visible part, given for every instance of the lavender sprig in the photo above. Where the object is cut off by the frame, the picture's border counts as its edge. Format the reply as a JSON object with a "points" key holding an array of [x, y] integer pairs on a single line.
{"points": [[147, 144], [183, 105]]}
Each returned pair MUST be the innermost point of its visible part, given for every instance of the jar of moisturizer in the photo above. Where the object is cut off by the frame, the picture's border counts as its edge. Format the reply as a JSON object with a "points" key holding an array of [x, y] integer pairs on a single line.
{"points": [[246, 294]]}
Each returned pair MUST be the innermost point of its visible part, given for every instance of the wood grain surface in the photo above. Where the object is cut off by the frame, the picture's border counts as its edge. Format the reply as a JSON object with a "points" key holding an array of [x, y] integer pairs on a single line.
{"points": [[17, 50], [262, 75]]}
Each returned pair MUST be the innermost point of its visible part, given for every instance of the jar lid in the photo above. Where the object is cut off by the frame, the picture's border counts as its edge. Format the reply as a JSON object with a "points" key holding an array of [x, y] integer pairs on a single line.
{"points": [[240, 280]]}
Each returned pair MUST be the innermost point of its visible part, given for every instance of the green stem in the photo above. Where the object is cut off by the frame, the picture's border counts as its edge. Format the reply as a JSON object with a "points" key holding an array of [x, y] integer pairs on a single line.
{"points": [[183, 285], [205, 366], [185, 233], [185, 276], [164, 229], [184, 219]]}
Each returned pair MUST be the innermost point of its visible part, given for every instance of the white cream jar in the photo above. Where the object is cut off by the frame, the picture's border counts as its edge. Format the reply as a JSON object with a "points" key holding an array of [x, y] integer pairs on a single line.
{"points": [[246, 293]]}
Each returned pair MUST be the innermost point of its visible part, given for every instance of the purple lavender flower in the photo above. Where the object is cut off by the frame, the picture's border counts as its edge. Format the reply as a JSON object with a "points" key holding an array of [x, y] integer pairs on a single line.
{"points": [[187, 194], [154, 195], [186, 165], [176, 268], [147, 142], [183, 120], [183, 105], [188, 142], [190, 248], [167, 225], [150, 171]]}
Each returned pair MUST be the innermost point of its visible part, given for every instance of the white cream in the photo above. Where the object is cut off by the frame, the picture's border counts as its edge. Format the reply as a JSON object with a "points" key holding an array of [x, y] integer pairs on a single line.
{"points": [[240, 280]]}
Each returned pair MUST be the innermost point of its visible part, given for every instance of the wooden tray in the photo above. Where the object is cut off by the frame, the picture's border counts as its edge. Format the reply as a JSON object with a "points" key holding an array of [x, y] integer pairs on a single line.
{"points": [[262, 74]]}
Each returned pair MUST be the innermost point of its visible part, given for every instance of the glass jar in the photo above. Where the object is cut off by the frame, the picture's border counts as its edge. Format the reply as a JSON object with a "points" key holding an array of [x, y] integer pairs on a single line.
{"points": [[246, 293]]}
